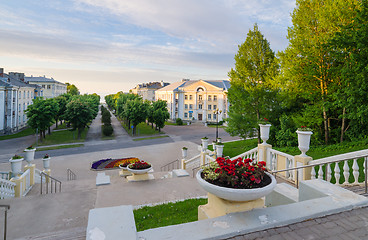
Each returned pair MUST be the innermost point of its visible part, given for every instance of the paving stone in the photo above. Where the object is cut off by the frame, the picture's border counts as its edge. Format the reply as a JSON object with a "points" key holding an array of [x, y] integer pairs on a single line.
{"points": [[360, 232], [308, 223], [252, 235], [347, 225], [319, 230], [283, 229], [349, 236], [329, 225], [276, 237]]}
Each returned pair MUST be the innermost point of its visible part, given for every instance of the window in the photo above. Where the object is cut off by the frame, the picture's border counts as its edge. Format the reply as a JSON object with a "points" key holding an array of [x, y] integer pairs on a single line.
{"points": [[185, 115], [48, 86], [199, 97], [209, 97], [214, 98], [19, 108], [200, 106], [209, 107], [24, 106], [186, 97], [190, 114], [214, 107], [214, 116], [185, 106], [190, 106], [24, 94], [27, 94], [209, 116], [43, 86], [20, 94], [190, 97]]}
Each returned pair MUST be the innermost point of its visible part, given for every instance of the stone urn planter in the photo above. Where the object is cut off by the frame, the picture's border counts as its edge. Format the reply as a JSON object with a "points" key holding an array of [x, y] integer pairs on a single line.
{"points": [[304, 141], [236, 195], [30, 152], [46, 162], [214, 145], [265, 132], [204, 142], [139, 171], [16, 165], [219, 149], [184, 152]]}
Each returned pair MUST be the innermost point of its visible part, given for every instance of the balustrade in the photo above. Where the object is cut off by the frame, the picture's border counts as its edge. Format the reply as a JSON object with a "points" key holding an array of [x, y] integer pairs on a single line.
{"points": [[7, 189]]}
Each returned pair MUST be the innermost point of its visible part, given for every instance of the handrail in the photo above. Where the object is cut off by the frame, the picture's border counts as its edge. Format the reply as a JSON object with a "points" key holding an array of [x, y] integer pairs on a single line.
{"points": [[252, 151], [50, 179], [196, 168], [70, 175], [170, 164], [281, 153], [7, 207], [193, 158]]}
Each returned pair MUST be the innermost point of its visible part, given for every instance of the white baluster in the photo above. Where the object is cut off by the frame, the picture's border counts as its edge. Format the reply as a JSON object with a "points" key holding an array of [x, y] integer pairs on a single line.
{"points": [[287, 174], [291, 165], [320, 172], [346, 172], [355, 171], [313, 173], [364, 162], [328, 172], [337, 173], [274, 162]]}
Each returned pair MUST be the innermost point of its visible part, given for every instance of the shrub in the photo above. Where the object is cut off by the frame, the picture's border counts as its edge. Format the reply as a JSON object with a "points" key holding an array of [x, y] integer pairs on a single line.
{"points": [[106, 119], [179, 121], [107, 130]]}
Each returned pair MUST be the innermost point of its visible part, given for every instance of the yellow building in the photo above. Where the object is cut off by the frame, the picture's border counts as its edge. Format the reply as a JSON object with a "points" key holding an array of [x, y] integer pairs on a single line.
{"points": [[196, 100]]}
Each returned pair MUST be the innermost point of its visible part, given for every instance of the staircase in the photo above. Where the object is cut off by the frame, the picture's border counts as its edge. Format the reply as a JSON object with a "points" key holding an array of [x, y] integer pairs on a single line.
{"points": [[70, 234]]}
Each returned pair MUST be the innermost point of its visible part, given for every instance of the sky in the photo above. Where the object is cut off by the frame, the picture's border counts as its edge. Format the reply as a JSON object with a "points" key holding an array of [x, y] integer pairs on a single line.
{"points": [[106, 46]]}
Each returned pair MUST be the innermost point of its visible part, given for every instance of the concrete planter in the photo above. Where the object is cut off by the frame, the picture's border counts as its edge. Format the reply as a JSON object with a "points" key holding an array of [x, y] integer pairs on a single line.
{"points": [[219, 150], [16, 166], [236, 195], [265, 132], [204, 143], [304, 141], [184, 152], [139, 171], [29, 155], [46, 163]]}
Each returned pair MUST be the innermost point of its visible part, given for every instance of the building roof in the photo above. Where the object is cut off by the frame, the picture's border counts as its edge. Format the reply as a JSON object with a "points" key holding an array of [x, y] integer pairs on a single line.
{"points": [[41, 80], [224, 84], [15, 82], [4, 83]]}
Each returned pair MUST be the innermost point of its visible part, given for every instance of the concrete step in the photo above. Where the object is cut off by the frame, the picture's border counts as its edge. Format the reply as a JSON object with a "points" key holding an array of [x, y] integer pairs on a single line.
{"points": [[70, 234]]}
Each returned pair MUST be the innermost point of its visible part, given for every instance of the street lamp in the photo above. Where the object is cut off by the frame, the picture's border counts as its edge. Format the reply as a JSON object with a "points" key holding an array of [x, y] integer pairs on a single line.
{"points": [[217, 112]]}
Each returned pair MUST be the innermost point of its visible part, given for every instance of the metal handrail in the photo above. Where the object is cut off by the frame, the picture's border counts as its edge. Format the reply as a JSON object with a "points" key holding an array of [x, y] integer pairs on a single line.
{"points": [[50, 179], [70, 175], [196, 168], [170, 164], [323, 163], [7, 207]]}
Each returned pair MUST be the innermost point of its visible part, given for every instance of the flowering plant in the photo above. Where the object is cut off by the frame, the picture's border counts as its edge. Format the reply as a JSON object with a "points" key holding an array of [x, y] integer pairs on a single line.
{"points": [[264, 121], [17, 157], [238, 173], [139, 165], [304, 128], [30, 147], [46, 156]]}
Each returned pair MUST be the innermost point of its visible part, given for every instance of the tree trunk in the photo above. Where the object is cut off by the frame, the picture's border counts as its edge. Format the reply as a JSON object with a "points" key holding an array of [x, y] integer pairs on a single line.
{"points": [[343, 125], [56, 122], [258, 129], [49, 131], [325, 120], [79, 133], [152, 125]]}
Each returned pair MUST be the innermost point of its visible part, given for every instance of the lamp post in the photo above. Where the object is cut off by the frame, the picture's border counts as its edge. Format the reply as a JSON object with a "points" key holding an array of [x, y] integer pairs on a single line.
{"points": [[217, 112]]}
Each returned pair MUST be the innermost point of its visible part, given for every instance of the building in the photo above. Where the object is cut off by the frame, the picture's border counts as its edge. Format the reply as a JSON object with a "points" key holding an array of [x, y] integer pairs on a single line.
{"points": [[51, 88], [147, 90], [196, 100], [15, 96]]}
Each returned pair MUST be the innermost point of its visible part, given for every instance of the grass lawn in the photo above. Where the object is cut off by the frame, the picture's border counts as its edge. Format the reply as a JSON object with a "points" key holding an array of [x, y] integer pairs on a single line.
{"points": [[59, 147], [148, 138], [23, 133], [65, 136], [62, 126], [142, 130], [167, 214], [233, 149]]}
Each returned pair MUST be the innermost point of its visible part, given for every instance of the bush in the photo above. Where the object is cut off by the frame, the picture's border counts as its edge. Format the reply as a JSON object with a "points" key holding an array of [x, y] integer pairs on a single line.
{"points": [[106, 119], [179, 121], [107, 130]]}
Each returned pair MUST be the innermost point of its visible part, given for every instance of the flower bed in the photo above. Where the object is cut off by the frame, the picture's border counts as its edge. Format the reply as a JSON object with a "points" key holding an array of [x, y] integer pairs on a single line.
{"points": [[109, 163]]}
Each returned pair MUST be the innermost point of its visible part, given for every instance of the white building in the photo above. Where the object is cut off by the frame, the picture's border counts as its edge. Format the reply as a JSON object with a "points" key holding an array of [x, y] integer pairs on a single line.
{"points": [[15, 96], [196, 100], [51, 88], [147, 90]]}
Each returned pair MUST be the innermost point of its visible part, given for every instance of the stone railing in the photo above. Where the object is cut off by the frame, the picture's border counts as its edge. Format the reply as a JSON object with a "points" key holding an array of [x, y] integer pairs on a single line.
{"points": [[4, 175], [7, 189], [252, 154], [277, 160], [191, 163], [25, 183], [209, 159]]}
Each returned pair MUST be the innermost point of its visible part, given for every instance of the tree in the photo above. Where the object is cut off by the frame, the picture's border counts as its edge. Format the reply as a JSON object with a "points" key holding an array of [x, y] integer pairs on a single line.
{"points": [[160, 116], [136, 112], [61, 101], [72, 89], [251, 95], [308, 62], [79, 113]]}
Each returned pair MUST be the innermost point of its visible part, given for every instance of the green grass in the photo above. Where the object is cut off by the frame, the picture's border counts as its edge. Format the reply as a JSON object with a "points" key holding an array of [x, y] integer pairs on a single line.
{"points": [[148, 138], [59, 147], [233, 149], [142, 130], [60, 137], [62, 126], [23, 133], [170, 123], [167, 214]]}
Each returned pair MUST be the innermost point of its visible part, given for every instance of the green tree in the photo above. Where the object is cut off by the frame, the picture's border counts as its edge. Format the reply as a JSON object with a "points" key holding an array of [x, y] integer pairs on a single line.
{"points": [[61, 101], [136, 112], [72, 89], [40, 116], [79, 113], [160, 116], [308, 63], [251, 95]]}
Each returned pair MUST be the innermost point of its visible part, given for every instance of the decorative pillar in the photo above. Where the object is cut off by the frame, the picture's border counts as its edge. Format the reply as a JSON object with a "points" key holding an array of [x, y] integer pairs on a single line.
{"points": [[32, 168], [262, 154], [304, 173], [18, 188]]}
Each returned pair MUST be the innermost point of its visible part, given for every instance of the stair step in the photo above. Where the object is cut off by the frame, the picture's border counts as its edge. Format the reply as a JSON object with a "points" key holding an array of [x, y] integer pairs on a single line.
{"points": [[69, 234]]}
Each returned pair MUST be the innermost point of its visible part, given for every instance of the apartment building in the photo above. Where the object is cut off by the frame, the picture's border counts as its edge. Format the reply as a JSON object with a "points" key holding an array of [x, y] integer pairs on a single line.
{"points": [[196, 100], [147, 90], [50, 87]]}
